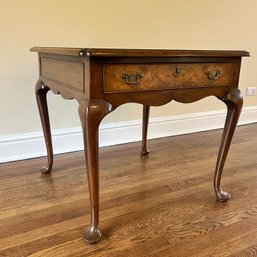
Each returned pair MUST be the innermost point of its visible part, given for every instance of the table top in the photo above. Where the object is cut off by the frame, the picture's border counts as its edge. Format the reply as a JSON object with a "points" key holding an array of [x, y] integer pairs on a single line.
{"points": [[109, 52]]}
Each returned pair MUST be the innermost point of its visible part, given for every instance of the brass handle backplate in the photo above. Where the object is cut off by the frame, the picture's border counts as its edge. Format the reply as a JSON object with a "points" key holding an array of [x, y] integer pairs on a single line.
{"points": [[132, 78], [213, 75]]}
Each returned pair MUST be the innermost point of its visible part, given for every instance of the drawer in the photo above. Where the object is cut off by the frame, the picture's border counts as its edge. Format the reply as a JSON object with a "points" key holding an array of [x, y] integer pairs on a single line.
{"points": [[148, 77]]}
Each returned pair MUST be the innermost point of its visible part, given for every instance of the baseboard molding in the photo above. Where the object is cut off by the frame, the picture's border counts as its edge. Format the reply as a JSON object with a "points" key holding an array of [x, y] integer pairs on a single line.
{"points": [[31, 145]]}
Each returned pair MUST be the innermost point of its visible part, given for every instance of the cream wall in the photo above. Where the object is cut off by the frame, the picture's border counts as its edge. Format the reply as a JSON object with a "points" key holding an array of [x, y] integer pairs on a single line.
{"points": [[183, 24]]}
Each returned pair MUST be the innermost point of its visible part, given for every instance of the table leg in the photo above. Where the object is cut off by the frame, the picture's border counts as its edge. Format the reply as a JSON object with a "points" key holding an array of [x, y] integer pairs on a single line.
{"points": [[41, 92], [91, 112], [146, 112], [234, 102]]}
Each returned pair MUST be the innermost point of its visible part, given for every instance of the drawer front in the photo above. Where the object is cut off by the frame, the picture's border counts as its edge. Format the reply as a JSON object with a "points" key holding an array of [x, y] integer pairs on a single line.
{"points": [[148, 77]]}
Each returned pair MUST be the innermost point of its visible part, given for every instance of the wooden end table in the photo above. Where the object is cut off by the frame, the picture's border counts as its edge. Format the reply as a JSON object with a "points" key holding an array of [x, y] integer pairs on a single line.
{"points": [[103, 79]]}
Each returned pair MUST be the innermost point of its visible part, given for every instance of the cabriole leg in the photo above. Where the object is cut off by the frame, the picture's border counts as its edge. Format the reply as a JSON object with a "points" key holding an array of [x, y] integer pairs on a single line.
{"points": [[234, 102], [91, 112], [41, 92], [146, 112]]}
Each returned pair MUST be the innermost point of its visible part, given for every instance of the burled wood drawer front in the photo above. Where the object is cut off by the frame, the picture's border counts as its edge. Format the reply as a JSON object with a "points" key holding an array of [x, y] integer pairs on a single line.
{"points": [[144, 77], [65, 72]]}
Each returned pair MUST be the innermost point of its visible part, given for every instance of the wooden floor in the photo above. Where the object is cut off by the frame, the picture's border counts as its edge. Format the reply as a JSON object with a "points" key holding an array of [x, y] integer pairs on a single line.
{"points": [[161, 205]]}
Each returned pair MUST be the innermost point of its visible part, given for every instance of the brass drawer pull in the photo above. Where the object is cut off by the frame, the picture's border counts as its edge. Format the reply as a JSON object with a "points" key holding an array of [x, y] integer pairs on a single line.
{"points": [[176, 71], [213, 75], [132, 78]]}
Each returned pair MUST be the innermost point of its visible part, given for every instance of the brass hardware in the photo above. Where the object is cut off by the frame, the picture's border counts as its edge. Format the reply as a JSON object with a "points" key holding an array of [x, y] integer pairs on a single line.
{"points": [[176, 71], [132, 78], [213, 75]]}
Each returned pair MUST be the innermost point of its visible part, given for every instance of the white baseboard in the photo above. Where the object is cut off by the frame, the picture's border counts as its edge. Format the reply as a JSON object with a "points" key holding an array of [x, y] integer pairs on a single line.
{"points": [[30, 145]]}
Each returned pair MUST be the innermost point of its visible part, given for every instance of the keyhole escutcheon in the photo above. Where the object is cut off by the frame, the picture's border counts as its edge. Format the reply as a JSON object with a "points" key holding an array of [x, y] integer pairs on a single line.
{"points": [[176, 71]]}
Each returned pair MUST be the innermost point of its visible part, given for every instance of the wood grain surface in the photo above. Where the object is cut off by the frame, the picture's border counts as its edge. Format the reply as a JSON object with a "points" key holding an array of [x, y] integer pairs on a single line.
{"points": [[157, 205], [110, 52], [160, 77], [67, 72]]}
